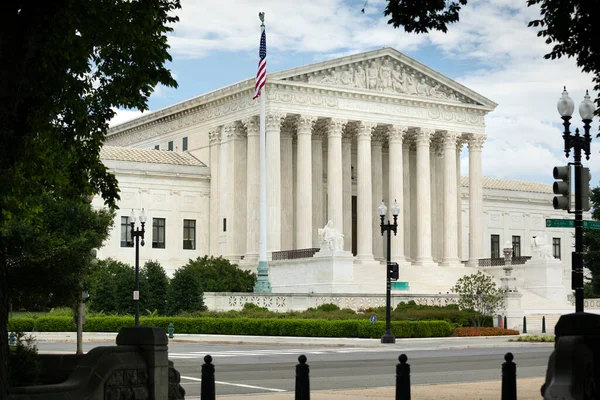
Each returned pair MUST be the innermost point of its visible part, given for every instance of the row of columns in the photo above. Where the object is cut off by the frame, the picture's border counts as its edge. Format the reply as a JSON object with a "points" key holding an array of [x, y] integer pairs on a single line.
{"points": [[305, 211]]}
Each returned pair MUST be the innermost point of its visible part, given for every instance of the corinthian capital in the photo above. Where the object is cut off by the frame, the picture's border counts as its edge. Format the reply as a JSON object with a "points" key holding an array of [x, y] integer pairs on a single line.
{"points": [[214, 136], [252, 125], [335, 127], [274, 119], [396, 133], [365, 130], [449, 139], [306, 124], [423, 136], [475, 142]]}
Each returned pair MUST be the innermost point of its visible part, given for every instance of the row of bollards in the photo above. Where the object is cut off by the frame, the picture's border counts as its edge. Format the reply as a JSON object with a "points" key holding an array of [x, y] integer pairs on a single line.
{"points": [[525, 324], [302, 386]]}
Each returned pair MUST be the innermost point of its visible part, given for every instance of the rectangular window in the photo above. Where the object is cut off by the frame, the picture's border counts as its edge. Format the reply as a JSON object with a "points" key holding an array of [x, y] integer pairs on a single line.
{"points": [[516, 245], [189, 234], [158, 233], [171, 145], [556, 247], [157, 147], [126, 240], [495, 246], [184, 144]]}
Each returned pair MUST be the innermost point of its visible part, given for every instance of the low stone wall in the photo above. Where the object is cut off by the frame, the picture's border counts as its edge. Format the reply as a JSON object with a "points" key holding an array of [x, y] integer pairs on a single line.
{"points": [[137, 368], [282, 302]]}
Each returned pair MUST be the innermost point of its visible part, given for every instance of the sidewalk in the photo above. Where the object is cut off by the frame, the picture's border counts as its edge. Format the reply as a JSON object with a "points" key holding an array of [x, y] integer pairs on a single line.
{"points": [[527, 389]]}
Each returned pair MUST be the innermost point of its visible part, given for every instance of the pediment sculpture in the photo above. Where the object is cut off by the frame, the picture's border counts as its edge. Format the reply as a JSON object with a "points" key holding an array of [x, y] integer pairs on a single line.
{"points": [[384, 75], [330, 239]]}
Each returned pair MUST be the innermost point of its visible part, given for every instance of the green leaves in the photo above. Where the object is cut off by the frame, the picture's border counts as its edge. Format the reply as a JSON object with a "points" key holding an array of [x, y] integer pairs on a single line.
{"points": [[478, 292], [423, 15]]}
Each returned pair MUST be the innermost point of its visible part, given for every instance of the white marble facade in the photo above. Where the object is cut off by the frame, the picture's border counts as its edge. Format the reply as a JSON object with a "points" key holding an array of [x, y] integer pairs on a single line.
{"points": [[341, 136]]}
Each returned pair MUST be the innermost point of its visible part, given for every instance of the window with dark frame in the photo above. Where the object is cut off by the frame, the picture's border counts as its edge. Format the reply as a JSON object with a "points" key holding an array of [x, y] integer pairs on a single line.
{"points": [[158, 233], [157, 147], [171, 145], [516, 246], [184, 144], [189, 234], [495, 246], [126, 239], [556, 247]]}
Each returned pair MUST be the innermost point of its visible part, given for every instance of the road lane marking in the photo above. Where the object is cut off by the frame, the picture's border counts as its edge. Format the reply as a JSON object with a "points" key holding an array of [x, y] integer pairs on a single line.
{"points": [[236, 384]]}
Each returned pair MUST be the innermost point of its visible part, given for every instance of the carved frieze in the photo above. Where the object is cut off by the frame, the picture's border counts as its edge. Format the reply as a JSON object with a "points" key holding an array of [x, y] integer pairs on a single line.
{"points": [[383, 74]]}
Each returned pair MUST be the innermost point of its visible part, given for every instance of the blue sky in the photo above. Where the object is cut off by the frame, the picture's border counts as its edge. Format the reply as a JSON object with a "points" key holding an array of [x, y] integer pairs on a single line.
{"points": [[491, 50]]}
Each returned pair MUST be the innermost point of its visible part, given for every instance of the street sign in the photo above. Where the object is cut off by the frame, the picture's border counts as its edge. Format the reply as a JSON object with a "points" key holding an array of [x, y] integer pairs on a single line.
{"points": [[569, 223], [373, 318], [594, 225], [560, 223]]}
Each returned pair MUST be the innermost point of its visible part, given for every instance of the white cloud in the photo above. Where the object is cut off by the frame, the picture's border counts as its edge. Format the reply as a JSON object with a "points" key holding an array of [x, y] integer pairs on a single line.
{"points": [[123, 116]]}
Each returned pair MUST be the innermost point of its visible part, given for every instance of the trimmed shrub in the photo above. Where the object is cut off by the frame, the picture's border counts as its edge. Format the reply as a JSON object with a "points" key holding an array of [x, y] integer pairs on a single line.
{"points": [[55, 324], [21, 324], [473, 331]]}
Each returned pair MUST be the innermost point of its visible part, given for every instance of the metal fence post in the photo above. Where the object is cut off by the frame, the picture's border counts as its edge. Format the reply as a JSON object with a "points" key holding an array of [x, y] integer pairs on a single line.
{"points": [[402, 378], [207, 386], [543, 324], [509, 378], [302, 379], [524, 324]]}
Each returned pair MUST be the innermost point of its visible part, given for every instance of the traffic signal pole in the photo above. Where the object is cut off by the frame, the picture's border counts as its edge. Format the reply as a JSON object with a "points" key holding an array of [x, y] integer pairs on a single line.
{"points": [[577, 255]]}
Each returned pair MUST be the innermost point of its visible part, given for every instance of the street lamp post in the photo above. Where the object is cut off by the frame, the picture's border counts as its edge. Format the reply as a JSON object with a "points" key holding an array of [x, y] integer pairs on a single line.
{"points": [[578, 143], [388, 337], [137, 235]]}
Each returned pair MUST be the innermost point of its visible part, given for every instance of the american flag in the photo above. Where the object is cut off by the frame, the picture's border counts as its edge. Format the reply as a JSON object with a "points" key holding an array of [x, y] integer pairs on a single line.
{"points": [[261, 75]]}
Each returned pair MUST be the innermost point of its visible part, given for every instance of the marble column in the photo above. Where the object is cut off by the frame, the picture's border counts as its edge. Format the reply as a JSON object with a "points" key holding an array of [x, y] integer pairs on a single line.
{"points": [[347, 184], [273, 121], [287, 186], [459, 144], [475, 200], [214, 137], [439, 199], [450, 255], [335, 210], [364, 192], [413, 200], [396, 178], [225, 195], [236, 224], [406, 207], [433, 196], [377, 189], [317, 183], [304, 183], [423, 201], [252, 187]]}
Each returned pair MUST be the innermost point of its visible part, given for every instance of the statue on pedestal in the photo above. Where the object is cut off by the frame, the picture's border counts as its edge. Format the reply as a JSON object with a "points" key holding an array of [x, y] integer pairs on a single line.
{"points": [[540, 249], [330, 238]]}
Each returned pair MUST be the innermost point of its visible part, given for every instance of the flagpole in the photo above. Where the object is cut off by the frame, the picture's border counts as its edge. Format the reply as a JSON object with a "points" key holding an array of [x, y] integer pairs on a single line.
{"points": [[262, 284]]}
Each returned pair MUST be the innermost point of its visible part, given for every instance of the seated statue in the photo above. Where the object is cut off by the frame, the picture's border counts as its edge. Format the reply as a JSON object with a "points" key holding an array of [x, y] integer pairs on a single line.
{"points": [[540, 249], [330, 239]]}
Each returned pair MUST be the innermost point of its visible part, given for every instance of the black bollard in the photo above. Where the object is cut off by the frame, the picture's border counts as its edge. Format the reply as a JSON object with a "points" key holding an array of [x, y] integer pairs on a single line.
{"points": [[402, 378], [207, 386], [543, 324], [302, 380], [505, 323], [509, 378], [524, 324]]}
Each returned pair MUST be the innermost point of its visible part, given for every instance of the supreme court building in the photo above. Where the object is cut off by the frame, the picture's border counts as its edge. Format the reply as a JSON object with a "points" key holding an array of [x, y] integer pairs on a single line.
{"points": [[341, 136]]}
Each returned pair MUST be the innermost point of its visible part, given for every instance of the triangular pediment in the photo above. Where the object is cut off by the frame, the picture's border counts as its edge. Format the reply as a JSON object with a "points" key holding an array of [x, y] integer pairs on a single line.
{"points": [[385, 71]]}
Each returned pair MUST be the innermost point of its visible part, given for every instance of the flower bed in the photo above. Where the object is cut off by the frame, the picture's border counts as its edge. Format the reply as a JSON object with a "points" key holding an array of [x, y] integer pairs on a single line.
{"points": [[484, 331]]}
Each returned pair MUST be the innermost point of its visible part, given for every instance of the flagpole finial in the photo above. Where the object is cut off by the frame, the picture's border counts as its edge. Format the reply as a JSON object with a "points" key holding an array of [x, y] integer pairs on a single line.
{"points": [[261, 15]]}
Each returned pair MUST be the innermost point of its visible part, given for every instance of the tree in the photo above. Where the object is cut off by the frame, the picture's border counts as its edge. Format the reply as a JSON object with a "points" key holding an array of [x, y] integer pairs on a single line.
{"points": [[478, 293], [185, 291], [591, 248], [64, 66], [110, 286], [156, 287], [571, 25], [48, 260]]}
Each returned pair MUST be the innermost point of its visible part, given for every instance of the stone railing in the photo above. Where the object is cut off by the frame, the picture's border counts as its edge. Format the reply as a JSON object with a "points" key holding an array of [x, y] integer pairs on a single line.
{"points": [[587, 303], [294, 254], [498, 262]]}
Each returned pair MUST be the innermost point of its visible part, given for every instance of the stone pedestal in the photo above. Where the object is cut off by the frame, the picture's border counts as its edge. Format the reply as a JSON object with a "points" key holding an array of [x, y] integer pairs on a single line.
{"points": [[513, 310]]}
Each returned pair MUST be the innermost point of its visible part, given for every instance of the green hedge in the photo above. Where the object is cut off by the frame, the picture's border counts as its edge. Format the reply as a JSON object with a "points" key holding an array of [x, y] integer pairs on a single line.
{"points": [[247, 326], [21, 324]]}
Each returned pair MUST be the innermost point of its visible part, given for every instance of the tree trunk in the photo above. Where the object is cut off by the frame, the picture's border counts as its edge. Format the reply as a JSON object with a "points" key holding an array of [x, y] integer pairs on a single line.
{"points": [[4, 350]]}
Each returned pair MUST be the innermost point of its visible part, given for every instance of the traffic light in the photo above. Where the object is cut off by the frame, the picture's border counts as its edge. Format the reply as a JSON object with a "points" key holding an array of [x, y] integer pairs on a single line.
{"points": [[393, 271], [562, 202], [585, 189]]}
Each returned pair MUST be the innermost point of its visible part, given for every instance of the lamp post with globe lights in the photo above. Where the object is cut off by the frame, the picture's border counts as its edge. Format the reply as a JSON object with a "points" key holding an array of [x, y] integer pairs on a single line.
{"points": [[391, 268], [137, 234], [578, 143]]}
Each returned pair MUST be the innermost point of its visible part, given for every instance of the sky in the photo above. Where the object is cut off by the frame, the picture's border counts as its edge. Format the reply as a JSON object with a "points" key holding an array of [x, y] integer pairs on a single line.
{"points": [[490, 50]]}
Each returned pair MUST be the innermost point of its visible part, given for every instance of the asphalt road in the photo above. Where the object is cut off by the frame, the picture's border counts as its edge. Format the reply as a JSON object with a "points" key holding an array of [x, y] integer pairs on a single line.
{"points": [[260, 368]]}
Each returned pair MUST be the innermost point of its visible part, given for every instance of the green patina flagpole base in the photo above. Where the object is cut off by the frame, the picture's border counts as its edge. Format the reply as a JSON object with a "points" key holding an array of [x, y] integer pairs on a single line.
{"points": [[262, 283]]}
